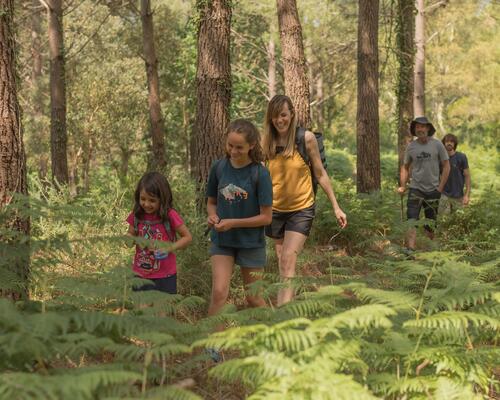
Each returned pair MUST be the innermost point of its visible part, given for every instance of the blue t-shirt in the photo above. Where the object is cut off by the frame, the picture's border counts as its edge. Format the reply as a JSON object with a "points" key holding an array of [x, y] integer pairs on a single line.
{"points": [[455, 184], [240, 192]]}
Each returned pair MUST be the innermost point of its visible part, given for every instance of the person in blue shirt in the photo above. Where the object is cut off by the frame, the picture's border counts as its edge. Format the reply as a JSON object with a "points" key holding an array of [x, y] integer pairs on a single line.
{"points": [[453, 196], [239, 206]]}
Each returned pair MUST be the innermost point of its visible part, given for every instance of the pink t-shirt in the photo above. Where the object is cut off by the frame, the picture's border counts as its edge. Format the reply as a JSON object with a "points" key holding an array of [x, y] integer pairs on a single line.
{"points": [[155, 264]]}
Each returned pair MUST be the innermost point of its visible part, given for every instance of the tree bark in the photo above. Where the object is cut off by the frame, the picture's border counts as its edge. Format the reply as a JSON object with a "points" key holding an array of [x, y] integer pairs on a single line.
{"points": [[155, 115], [36, 75], [368, 151], [419, 99], [271, 70], [12, 157], [58, 133], [404, 91], [213, 85], [294, 61]]}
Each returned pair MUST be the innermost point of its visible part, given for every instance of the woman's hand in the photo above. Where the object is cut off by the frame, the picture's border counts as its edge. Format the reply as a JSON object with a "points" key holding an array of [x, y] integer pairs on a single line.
{"points": [[224, 225], [341, 217]]}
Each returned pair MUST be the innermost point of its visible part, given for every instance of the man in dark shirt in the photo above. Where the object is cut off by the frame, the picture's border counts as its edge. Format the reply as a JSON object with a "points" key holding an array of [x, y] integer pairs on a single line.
{"points": [[453, 195]]}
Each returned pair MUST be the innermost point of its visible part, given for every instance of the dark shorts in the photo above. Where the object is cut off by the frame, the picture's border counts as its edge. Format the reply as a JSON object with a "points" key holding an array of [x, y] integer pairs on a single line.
{"points": [[297, 221], [166, 285], [428, 200], [249, 258]]}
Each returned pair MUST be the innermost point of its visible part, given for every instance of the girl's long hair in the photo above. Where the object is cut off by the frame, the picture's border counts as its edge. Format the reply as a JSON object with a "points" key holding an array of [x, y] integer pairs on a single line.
{"points": [[271, 134], [157, 185], [252, 137]]}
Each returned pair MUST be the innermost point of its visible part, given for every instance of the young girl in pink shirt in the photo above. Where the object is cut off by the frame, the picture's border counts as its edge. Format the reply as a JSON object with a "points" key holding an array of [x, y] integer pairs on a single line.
{"points": [[153, 218]]}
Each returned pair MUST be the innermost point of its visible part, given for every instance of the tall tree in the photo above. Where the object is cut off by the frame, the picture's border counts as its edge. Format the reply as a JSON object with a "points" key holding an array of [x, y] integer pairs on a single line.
{"points": [[36, 81], [271, 70], [213, 83], [12, 157], [294, 61], [404, 91], [367, 118], [155, 115], [58, 133], [419, 95]]}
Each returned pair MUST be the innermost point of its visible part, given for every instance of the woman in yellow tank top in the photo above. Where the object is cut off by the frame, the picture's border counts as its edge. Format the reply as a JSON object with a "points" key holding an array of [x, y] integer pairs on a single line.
{"points": [[293, 195]]}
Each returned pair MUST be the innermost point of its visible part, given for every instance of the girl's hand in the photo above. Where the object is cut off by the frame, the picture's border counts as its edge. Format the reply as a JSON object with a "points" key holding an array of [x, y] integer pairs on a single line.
{"points": [[213, 219], [224, 225], [341, 217]]}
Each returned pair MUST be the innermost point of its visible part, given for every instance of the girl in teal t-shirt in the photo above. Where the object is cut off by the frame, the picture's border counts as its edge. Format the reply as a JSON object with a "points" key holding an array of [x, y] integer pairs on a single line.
{"points": [[239, 205]]}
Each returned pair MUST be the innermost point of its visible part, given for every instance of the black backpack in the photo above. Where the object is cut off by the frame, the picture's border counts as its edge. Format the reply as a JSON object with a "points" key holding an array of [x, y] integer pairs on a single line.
{"points": [[300, 142]]}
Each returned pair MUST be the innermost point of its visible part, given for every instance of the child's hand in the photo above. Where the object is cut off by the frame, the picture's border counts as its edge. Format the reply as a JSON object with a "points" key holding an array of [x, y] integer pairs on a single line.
{"points": [[213, 219], [224, 225]]}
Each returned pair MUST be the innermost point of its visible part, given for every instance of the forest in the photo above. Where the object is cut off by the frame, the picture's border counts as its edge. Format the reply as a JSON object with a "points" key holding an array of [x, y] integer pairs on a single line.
{"points": [[95, 93]]}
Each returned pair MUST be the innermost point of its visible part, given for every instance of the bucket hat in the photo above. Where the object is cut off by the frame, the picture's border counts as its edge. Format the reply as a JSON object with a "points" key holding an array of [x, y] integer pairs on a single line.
{"points": [[423, 121]]}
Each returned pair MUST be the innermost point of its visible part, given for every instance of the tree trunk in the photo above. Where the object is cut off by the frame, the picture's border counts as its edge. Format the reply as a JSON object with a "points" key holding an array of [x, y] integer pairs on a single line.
{"points": [[294, 61], [155, 116], [213, 85], [58, 134], [368, 152], [36, 53], [320, 114], [271, 70], [87, 160], [404, 91], [36, 75], [419, 99], [12, 157]]}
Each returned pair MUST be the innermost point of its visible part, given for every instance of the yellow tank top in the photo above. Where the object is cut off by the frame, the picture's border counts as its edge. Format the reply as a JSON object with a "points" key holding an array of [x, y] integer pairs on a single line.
{"points": [[292, 183]]}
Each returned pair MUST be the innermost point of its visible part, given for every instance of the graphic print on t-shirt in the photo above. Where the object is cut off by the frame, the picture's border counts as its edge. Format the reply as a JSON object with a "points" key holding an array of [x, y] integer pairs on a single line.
{"points": [[423, 156], [149, 260], [233, 193]]}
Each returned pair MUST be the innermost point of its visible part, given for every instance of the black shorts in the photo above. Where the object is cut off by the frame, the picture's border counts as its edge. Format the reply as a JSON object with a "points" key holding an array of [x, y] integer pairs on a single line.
{"points": [[418, 199], [165, 285], [297, 221]]}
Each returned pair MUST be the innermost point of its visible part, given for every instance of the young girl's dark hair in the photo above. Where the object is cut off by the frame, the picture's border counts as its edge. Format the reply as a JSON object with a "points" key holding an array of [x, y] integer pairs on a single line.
{"points": [[155, 184], [252, 137]]}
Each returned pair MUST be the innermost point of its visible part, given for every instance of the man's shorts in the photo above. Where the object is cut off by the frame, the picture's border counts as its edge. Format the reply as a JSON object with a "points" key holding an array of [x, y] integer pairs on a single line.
{"points": [[245, 258], [428, 200], [297, 221]]}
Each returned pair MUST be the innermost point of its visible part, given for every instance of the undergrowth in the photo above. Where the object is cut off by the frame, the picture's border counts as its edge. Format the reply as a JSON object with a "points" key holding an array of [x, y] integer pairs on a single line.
{"points": [[366, 323]]}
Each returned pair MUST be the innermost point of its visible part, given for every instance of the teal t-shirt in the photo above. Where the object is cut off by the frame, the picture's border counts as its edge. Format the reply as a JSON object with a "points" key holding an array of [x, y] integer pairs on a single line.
{"points": [[240, 192]]}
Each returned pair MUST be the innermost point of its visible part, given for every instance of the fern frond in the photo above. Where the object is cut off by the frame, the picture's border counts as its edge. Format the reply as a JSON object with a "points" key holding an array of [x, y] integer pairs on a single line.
{"points": [[367, 316], [313, 383], [400, 301], [454, 320], [77, 385], [255, 370]]}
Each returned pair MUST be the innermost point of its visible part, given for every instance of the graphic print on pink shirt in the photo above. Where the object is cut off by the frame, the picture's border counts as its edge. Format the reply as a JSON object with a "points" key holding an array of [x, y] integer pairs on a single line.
{"points": [[147, 262]]}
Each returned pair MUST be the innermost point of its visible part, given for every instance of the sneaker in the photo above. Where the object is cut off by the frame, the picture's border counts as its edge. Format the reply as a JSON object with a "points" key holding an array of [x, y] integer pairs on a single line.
{"points": [[214, 354]]}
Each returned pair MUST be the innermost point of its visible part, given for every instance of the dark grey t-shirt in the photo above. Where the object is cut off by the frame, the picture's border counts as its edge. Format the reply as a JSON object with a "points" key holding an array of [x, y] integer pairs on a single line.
{"points": [[425, 161], [240, 193], [455, 184]]}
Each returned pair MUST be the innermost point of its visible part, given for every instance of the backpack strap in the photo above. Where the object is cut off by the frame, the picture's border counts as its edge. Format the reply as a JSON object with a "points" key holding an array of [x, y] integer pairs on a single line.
{"points": [[219, 168], [255, 175], [300, 142]]}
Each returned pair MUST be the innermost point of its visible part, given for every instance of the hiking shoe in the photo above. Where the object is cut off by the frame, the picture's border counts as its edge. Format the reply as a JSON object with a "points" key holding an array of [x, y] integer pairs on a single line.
{"points": [[214, 354]]}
